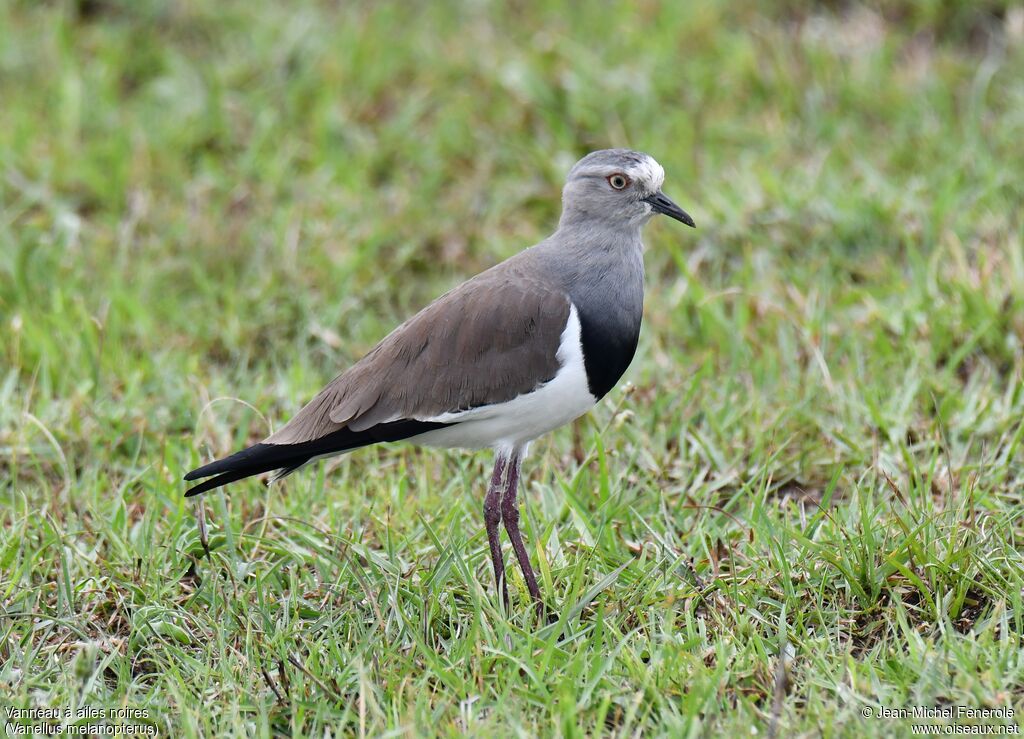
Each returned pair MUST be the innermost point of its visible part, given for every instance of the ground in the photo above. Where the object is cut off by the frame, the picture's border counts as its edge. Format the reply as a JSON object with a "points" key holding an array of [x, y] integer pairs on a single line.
{"points": [[801, 509]]}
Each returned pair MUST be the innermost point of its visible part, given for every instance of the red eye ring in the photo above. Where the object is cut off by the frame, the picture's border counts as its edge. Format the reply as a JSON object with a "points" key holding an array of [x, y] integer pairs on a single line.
{"points": [[618, 181]]}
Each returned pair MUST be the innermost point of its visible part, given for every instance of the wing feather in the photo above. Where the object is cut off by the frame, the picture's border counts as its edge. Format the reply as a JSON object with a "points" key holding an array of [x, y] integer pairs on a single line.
{"points": [[492, 338]]}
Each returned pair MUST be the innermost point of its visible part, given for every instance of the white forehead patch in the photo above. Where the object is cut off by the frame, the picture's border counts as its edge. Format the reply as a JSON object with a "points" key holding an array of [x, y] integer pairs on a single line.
{"points": [[649, 172]]}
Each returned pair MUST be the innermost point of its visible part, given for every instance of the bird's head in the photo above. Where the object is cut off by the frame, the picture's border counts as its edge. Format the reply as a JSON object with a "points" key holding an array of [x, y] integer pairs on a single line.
{"points": [[619, 187]]}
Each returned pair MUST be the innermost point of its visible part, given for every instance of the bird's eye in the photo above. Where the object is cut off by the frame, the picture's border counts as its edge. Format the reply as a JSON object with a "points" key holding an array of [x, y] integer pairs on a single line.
{"points": [[618, 181]]}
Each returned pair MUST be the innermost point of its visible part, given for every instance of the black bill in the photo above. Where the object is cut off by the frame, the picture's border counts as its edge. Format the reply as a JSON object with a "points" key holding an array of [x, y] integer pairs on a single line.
{"points": [[660, 203]]}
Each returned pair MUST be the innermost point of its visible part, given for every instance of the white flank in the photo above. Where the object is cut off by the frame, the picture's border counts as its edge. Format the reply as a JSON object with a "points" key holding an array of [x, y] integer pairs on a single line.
{"points": [[518, 421]]}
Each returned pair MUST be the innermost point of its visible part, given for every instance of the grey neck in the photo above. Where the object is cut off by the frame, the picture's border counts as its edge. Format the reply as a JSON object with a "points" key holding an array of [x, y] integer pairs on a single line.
{"points": [[591, 236], [602, 270], [573, 218]]}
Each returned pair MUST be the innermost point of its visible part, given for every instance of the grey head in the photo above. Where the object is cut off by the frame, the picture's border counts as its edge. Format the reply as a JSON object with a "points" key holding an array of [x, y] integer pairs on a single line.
{"points": [[619, 188]]}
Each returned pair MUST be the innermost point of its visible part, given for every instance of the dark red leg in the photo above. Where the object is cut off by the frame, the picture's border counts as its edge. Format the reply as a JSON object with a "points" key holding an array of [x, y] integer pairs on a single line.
{"points": [[492, 517], [510, 515]]}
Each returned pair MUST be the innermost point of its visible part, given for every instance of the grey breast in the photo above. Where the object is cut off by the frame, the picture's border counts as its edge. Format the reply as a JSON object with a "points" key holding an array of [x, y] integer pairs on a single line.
{"points": [[604, 278]]}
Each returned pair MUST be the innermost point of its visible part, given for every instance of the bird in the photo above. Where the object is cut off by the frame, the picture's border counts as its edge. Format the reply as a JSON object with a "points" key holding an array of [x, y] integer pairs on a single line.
{"points": [[513, 353]]}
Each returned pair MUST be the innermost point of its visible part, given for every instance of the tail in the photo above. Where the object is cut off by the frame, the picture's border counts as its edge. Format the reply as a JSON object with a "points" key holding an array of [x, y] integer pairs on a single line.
{"points": [[286, 458]]}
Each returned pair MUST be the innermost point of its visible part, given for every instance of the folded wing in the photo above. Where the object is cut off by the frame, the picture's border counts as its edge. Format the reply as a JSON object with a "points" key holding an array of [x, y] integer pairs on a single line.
{"points": [[487, 341]]}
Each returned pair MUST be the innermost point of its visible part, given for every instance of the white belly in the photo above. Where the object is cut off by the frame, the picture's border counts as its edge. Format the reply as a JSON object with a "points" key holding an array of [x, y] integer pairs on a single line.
{"points": [[518, 421]]}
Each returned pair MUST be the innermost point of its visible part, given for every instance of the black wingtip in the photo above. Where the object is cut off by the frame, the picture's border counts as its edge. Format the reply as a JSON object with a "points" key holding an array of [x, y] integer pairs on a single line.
{"points": [[257, 458], [215, 482], [264, 457]]}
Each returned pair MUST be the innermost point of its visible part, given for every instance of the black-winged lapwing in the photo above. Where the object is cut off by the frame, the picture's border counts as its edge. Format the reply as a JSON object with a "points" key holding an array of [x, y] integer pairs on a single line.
{"points": [[515, 352]]}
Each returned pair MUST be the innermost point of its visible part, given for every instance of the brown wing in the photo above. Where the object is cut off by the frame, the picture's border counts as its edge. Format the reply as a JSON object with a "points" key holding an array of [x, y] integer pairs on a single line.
{"points": [[487, 341]]}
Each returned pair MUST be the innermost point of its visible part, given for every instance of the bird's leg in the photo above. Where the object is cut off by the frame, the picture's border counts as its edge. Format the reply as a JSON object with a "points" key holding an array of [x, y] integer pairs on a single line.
{"points": [[510, 515], [492, 517]]}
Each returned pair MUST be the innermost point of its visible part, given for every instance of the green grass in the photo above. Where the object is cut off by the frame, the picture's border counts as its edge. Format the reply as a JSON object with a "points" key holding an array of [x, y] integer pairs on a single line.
{"points": [[208, 209]]}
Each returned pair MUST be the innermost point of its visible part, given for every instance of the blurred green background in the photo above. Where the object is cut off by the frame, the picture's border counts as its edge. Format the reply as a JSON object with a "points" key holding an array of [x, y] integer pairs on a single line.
{"points": [[208, 209]]}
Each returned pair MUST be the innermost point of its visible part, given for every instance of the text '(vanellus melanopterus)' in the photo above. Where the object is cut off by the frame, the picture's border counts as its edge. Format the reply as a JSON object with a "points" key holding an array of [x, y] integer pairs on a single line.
{"points": [[509, 355]]}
